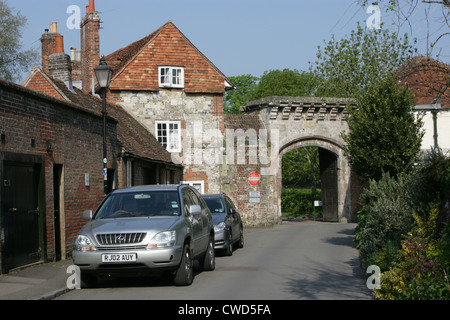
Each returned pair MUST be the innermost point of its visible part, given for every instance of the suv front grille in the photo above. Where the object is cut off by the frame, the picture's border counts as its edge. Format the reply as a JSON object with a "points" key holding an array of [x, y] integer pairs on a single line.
{"points": [[120, 238], [122, 248]]}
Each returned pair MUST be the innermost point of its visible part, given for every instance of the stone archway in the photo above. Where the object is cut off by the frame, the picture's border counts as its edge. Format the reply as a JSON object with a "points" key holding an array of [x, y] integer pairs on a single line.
{"points": [[334, 172], [312, 121]]}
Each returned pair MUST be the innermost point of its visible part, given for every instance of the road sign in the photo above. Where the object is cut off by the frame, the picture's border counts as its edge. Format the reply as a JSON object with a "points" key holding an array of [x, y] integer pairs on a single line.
{"points": [[254, 178]]}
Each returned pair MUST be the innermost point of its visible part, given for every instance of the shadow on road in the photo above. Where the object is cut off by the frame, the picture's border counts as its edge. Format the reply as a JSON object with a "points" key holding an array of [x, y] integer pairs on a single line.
{"points": [[324, 283], [343, 280], [160, 279]]}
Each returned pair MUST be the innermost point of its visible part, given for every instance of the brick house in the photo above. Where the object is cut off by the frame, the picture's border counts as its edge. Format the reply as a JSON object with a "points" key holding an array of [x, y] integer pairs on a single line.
{"points": [[429, 81], [51, 159], [172, 89], [50, 171], [175, 92]]}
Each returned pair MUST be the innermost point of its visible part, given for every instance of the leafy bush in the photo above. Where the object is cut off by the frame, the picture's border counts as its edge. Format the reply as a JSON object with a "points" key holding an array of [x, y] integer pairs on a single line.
{"points": [[299, 202], [404, 229], [385, 218], [422, 269]]}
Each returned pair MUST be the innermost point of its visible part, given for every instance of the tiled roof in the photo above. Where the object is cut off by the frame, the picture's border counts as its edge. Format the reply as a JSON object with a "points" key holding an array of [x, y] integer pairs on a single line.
{"points": [[428, 79], [119, 59], [133, 138], [136, 66]]}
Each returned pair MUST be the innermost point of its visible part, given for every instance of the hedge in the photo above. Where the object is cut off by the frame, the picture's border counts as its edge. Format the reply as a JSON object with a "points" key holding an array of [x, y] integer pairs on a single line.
{"points": [[300, 203]]}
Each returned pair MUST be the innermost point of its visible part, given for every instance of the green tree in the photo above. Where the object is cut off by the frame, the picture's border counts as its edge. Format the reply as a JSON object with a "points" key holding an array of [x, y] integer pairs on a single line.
{"points": [[244, 86], [351, 65], [272, 83], [385, 136], [301, 168], [285, 82], [13, 60]]}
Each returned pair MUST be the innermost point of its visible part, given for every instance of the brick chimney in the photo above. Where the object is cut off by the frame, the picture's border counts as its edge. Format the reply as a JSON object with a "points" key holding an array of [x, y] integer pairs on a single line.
{"points": [[60, 65], [48, 45], [90, 45]]}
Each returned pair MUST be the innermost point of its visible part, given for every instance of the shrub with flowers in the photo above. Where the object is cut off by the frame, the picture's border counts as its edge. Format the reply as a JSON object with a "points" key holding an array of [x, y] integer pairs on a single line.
{"points": [[422, 269]]}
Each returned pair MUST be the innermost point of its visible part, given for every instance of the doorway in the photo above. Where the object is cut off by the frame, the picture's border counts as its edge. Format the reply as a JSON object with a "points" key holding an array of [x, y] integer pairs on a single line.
{"points": [[329, 185], [58, 211], [20, 214]]}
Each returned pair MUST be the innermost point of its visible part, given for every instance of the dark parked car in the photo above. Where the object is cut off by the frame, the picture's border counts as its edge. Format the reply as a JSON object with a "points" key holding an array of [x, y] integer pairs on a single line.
{"points": [[228, 227], [147, 229]]}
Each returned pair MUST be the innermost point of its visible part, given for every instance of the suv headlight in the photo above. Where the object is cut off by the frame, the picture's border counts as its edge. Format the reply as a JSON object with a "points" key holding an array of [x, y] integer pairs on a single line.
{"points": [[220, 226], [83, 243], [164, 239]]}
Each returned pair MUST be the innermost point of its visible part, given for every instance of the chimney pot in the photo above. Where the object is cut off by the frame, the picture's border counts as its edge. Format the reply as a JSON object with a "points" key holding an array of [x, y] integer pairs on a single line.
{"points": [[90, 7], [59, 40], [54, 27]]}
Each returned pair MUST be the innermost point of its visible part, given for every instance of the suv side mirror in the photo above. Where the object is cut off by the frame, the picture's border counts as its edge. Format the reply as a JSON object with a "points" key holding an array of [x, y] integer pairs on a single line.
{"points": [[88, 214], [195, 209], [231, 211]]}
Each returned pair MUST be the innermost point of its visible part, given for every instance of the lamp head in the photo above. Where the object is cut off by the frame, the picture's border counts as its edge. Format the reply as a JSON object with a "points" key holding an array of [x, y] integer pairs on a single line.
{"points": [[103, 73]]}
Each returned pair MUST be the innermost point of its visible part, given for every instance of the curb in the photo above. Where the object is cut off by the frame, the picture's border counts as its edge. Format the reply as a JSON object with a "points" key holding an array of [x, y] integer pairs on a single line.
{"points": [[54, 294]]}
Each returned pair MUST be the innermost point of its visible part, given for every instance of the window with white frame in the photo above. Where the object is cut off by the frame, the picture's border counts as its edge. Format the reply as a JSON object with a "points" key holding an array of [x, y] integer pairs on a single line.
{"points": [[171, 77], [199, 185], [168, 134]]}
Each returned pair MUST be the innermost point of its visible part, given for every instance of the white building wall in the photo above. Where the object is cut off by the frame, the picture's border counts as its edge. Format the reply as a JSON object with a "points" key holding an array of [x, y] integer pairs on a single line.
{"points": [[443, 130]]}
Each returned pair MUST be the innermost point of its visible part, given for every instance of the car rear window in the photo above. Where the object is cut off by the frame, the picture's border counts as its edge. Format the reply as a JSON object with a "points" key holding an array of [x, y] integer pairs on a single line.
{"points": [[215, 205], [140, 204]]}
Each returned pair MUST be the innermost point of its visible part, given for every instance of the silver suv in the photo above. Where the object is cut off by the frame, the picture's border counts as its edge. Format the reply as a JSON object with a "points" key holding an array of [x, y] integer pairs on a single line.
{"points": [[151, 228]]}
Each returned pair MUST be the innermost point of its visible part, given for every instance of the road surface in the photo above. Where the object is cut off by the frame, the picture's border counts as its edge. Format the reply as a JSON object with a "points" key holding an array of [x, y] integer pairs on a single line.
{"points": [[292, 261]]}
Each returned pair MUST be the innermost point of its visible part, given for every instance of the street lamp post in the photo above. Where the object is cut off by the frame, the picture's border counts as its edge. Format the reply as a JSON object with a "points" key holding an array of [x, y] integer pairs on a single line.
{"points": [[104, 73]]}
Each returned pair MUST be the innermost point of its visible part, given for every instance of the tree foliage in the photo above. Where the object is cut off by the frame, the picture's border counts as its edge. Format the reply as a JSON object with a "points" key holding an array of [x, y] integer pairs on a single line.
{"points": [[301, 168], [385, 136], [244, 86], [351, 65], [13, 60], [292, 83], [272, 83]]}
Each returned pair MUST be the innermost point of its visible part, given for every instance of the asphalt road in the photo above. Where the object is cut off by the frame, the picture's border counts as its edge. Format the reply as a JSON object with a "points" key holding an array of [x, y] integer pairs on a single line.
{"points": [[293, 261]]}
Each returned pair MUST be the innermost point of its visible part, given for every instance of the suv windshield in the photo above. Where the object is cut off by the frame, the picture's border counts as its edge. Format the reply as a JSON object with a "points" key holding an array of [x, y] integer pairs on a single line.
{"points": [[140, 204], [215, 205]]}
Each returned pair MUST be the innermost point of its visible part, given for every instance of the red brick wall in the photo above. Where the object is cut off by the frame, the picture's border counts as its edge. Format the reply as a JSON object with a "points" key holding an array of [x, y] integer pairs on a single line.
{"points": [[39, 83], [90, 48], [48, 42], [190, 174], [76, 141]]}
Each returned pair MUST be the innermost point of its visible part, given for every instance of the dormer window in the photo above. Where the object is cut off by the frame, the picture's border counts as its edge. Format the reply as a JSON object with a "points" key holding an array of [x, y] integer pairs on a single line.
{"points": [[171, 77]]}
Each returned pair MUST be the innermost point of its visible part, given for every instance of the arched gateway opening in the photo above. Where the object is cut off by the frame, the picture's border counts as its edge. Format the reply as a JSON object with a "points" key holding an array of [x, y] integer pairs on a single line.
{"points": [[319, 122], [310, 175], [332, 177]]}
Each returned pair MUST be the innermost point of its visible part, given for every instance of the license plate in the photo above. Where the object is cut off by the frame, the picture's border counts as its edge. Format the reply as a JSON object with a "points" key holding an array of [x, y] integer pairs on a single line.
{"points": [[119, 257]]}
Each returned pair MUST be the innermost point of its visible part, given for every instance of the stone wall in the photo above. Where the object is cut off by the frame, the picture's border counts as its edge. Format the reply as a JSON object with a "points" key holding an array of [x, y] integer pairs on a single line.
{"points": [[201, 119], [308, 121]]}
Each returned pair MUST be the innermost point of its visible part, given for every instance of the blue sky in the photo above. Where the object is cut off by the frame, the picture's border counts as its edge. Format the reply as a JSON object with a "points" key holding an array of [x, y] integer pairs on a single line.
{"points": [[238, 36]]}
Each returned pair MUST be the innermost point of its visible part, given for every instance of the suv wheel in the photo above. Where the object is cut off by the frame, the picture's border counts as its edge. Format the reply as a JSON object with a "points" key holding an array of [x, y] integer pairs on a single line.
{"points": [[208, 262], [184, 276]]}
